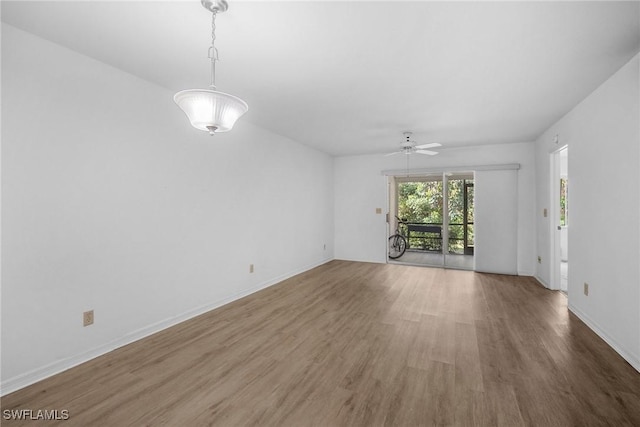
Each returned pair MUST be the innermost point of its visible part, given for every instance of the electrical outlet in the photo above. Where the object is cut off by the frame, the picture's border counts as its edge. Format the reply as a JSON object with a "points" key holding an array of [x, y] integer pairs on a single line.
{"points": [[87, 318], [324, 247], [586, 288], [250, 268], [378, 210], [539, 260]]}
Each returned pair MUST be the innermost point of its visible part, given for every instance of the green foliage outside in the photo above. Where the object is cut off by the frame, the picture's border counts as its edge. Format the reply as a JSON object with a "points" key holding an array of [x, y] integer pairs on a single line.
{"points": [[421, 202]]}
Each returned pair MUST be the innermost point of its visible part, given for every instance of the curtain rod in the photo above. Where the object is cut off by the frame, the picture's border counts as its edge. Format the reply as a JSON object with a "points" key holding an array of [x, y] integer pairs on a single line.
{"points": [[472, 168]]}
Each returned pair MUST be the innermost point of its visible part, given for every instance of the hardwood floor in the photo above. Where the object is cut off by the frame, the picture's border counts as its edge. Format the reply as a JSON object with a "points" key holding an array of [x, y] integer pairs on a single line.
{"points": [[358, 344]]}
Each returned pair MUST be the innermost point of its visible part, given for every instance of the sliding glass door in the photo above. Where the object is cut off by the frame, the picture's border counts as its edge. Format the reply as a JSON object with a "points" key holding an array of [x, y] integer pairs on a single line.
{"points": [[459, 220], [419, 212], [463, 218], [434, 214]]}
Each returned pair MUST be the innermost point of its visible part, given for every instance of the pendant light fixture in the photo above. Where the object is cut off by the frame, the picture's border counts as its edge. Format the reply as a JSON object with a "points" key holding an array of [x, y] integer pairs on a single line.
{"points": [[208, 109]]}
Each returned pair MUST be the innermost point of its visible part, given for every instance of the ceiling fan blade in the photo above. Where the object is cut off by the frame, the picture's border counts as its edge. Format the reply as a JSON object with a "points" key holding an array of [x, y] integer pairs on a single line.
{"points": [[431, 145], [394, 153], [430, 153]]}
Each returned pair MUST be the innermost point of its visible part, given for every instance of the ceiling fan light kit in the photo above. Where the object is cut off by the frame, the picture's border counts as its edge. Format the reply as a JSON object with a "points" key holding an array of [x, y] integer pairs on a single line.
{"points": [[208, 109]]}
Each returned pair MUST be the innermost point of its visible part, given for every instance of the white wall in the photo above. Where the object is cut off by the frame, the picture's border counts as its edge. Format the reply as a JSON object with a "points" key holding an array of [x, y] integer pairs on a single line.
{"points": [[360, 188], [603, 134], [113, 202]]}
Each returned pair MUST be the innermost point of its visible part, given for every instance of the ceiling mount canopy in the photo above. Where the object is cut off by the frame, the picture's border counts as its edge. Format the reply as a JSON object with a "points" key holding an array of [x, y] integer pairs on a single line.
{"points": [[208, 109], [215, 5]]}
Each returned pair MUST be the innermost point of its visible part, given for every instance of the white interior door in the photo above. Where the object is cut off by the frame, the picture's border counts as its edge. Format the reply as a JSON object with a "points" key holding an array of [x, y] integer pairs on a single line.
{"points": [[559, 219]]}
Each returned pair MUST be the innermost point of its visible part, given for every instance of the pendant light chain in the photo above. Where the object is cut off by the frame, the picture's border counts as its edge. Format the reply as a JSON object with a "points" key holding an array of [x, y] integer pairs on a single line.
{"points": [[207, 109], [213, 52]]}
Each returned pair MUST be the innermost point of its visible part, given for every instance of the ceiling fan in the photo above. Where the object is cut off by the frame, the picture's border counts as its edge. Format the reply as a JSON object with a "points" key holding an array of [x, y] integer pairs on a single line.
{"points": [[409, 147]]}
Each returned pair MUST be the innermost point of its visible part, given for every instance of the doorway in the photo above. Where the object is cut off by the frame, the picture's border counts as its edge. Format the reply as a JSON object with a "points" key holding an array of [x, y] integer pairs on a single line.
{"points": [[560, 219], [435, 214]]}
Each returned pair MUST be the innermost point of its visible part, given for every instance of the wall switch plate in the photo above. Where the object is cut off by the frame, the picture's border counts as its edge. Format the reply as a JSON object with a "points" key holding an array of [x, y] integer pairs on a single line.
{"points": [[586, 288], [87, 318], [544, 212], [250, 268]]}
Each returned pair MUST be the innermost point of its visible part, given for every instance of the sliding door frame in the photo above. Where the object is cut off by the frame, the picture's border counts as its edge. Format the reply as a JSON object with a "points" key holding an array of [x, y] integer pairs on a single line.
{"points": [[392, 174]]}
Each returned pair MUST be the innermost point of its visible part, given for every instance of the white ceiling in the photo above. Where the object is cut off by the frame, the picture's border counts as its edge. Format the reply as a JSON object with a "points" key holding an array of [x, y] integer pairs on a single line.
{"points": [[349, 77]]}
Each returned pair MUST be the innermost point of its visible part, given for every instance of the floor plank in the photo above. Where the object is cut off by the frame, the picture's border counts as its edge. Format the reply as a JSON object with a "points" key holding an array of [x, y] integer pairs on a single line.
{"points": [[359, 344]]}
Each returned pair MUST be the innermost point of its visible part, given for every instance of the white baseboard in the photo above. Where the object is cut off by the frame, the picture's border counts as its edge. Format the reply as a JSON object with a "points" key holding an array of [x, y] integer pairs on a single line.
{"points": [[542, 282], [360, 260], [39, 374], [634, 360]]}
